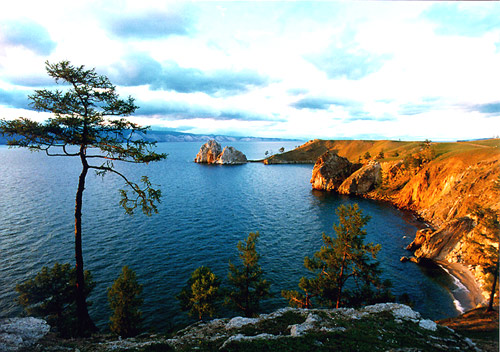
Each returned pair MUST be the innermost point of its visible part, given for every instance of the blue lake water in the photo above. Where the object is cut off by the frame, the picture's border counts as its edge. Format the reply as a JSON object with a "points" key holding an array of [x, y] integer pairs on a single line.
{"points": [[205, 211]]}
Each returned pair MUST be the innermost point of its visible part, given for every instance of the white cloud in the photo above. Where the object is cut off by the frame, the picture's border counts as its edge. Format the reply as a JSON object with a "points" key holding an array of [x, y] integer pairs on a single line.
{"points": [[404, 74]]}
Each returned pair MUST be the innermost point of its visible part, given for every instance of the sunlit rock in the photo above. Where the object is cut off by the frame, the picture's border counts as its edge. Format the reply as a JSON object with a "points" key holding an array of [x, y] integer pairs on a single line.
{"points": [[363, 180], [231, 156], [330, 171], [208, 152]]}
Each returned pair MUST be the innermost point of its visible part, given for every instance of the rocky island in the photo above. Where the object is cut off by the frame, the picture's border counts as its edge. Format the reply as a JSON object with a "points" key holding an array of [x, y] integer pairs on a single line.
{"points": [[212, 153]]}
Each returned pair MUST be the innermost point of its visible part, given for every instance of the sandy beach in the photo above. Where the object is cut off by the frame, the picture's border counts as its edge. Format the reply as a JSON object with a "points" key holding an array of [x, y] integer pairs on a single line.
{"points": [[468, 294]]}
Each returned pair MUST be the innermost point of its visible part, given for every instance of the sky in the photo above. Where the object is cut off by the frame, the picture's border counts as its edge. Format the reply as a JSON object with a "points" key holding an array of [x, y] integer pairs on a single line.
{"points": [[331, 70]]}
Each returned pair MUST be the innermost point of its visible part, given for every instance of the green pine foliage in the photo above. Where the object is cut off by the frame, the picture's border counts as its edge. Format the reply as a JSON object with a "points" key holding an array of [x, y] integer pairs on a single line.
{"points": [[346, 269], [51, 295], [124, 299], [247, 282], [201, 294]]}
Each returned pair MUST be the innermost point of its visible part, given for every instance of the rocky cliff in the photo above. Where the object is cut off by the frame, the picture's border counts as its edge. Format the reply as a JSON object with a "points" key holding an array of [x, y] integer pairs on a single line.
{"points": [[330, 171], [335, 173], [441, 182], [211, 153], [445, 193]]}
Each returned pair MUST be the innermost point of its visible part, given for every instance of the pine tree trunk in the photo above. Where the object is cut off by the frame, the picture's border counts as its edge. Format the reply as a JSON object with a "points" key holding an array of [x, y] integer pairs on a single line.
{"points": [[340, 278], [247, 293], [493, 290], [85, 325]]}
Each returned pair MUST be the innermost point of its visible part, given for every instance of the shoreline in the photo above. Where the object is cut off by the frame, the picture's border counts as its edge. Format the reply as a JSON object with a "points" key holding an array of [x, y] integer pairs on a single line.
{"points": [[467, 295]]}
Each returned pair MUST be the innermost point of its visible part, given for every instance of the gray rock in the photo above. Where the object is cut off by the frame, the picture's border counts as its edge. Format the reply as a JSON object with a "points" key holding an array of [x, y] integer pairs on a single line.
{"points": [[19, 333], [231, 156]]}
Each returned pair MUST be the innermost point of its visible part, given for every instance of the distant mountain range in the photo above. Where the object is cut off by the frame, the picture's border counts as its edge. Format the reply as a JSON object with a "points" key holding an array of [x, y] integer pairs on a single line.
{"points": [[172, 136]]}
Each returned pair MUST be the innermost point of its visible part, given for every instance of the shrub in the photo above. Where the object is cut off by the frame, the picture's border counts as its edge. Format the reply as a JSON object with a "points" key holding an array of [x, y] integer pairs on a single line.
{"points": [[248, 285], [201, 293], [51, 294], [124, 300]]}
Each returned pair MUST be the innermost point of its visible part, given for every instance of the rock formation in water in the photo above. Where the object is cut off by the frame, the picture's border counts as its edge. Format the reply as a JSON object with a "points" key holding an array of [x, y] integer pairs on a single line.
{"points": [[330, 171], [212, 153], [362, 180], [231, 156], [208, 152]]}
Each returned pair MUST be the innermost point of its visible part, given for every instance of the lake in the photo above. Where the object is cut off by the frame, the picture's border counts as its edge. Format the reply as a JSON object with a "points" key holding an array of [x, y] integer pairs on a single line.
{"points": [[205, 211]]}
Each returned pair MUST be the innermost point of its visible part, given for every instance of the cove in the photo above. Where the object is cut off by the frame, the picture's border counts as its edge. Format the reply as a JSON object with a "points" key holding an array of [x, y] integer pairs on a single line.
{"points": [[205, 211]]}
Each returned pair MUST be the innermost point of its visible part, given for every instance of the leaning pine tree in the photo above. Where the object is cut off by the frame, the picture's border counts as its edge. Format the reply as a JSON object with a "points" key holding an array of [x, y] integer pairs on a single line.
{"points": [[88, 114]]}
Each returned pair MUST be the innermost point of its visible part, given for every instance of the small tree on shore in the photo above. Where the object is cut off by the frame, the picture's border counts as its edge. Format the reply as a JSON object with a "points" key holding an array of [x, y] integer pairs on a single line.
{"points": [[124, 300], [89, 115], [342, 259], [51, 295], [201, 293], [247, 281]]}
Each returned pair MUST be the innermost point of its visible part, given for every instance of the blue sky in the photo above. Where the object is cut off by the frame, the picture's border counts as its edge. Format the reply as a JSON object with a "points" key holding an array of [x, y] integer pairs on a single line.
{"points": [[371, 70]]}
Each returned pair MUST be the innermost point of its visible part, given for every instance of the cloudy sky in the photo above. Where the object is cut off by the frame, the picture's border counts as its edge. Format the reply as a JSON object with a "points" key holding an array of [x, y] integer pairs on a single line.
{"points": [[370, 70]]}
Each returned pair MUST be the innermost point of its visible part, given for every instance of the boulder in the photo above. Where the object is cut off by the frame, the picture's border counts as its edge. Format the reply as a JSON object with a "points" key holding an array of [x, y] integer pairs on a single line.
{"points": [[231, 156], [16, 334], [363, 180], [330, 171], [208, 152], [421, 236]]}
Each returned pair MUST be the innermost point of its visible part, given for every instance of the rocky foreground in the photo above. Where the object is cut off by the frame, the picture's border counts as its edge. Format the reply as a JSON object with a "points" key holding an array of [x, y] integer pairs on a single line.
{"points": [[380, 327]]}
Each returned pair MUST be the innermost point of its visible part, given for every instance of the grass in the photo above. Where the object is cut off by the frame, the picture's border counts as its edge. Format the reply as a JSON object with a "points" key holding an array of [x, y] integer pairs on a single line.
{"points": [[377, 333], [353, 149]]}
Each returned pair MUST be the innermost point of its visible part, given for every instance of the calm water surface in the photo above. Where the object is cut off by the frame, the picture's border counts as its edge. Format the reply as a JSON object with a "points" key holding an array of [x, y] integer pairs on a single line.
{"points": [[204, 212]]}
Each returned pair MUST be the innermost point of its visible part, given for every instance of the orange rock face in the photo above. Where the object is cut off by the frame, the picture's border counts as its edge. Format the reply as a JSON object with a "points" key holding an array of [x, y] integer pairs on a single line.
{"points": [[330, 171]]}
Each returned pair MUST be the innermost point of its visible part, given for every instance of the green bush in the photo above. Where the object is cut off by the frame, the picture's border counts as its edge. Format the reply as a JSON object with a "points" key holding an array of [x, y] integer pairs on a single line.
{"points": [[124, 300], [51, 295], [201, 293]]}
